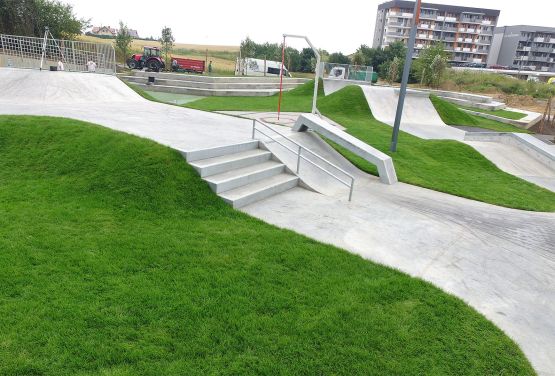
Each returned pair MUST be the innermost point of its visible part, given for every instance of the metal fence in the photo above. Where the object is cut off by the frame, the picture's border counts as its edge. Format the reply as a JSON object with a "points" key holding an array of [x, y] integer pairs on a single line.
{"points": [[36, 53], [347, 72]]}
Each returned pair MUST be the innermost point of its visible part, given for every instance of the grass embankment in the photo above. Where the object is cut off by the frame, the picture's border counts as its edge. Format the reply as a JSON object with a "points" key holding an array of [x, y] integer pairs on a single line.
{"points": [[452, 115], [296, 100], [513, 115], [441, 165], [118, 260]]}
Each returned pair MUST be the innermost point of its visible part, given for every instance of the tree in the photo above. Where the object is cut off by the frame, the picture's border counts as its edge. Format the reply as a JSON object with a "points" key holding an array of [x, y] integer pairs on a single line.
{"points": [[339, 58], [394, 67], [167, 40], [359, 58], [123, 40], [431, 64], [30, 17]]}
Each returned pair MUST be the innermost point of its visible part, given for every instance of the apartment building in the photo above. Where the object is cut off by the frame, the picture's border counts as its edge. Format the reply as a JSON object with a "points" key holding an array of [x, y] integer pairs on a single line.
{"points": [[466, 32], [524, 47]]}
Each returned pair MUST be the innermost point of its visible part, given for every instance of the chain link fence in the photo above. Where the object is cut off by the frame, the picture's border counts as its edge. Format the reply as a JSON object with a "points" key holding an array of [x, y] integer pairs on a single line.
{"points": [[348, 72], [36, 53]]}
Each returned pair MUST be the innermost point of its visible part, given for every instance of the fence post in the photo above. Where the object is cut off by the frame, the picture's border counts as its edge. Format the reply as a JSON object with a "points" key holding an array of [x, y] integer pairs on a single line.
{"points": [[253, 127], [299, 159]]}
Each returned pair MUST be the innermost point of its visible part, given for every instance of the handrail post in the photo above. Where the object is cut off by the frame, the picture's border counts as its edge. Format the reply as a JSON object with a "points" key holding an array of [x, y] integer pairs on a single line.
{"points": [[253, 127], [299, 159], [352, 187]]}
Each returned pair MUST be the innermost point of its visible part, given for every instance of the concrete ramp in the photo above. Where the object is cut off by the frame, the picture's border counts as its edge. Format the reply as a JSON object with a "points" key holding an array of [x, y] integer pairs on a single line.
{"points": [[45, 87], [420, 117]]}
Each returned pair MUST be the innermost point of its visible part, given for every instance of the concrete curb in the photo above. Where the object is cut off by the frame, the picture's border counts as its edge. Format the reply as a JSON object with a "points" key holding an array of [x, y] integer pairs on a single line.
{"points": [[529, 144], [516, 123]]}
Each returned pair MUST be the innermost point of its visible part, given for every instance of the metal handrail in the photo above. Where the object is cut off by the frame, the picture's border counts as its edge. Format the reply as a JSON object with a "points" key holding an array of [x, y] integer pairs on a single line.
{"points": [[300, 157]]}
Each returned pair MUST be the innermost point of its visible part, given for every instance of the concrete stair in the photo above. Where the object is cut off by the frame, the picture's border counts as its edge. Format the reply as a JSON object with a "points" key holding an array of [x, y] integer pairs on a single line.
{"points": [[211, 86], [242, 173]]}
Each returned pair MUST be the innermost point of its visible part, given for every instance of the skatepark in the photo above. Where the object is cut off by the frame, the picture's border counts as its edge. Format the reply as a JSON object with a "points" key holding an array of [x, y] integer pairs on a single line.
{"points": [[500, 261]]}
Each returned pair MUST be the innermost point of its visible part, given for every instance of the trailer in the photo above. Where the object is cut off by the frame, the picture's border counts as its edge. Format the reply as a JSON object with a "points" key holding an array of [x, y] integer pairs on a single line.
{"points": [[188, 65]]}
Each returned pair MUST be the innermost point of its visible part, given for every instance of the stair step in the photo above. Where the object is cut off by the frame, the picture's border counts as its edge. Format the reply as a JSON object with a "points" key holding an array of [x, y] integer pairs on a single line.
{"points": [[196, 155], [217, 165], [259, 190], [242, 176]]}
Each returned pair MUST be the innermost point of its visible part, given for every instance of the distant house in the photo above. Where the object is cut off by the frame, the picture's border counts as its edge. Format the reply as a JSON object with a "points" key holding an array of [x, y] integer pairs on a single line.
{"points": [[111, 32]]}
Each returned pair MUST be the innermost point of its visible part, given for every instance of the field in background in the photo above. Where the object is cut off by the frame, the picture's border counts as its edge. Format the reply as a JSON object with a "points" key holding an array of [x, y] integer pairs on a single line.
{"points": [[222, 57]]}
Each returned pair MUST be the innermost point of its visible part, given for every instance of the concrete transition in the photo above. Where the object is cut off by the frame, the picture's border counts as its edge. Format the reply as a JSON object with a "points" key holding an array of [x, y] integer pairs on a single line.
{"points": [[519, 154], [421, 119], [500, 261], [382, 161]]}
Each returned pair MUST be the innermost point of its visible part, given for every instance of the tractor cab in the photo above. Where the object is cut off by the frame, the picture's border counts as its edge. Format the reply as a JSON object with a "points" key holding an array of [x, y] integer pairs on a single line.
{"points": [[151, 52]]}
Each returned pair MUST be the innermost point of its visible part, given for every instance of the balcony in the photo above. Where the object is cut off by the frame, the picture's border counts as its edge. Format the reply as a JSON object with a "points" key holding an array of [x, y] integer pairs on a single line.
{"points": [[449, 29], [546, 50], [398, 24], [477, 21], [428, 16], [486, 22]]}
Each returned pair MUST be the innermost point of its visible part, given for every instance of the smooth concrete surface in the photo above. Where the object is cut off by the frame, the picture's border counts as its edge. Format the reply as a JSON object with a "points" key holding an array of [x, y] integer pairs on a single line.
{"points": [[536, 148], [107, 101], [420, 117], [382, 161], [500, 261]]}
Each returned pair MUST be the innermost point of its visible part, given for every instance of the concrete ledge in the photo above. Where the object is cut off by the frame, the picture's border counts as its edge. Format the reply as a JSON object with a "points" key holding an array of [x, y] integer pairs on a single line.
{"points": [[465, 102], [529, 144], [382, 161], [216, 79], [516, 123]]}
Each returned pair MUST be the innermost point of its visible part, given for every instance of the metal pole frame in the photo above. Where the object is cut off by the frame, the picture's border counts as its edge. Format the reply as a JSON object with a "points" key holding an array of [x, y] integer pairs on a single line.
{"points": [[405, 80], [46, 31], [317, 73]]}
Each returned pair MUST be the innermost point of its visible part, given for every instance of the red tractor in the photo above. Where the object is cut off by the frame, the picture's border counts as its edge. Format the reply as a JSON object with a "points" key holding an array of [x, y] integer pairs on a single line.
{"points": [[150, 59]]}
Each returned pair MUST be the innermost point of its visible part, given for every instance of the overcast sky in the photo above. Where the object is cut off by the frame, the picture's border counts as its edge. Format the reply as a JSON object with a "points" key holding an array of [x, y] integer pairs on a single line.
{"points": [[334, 26]]}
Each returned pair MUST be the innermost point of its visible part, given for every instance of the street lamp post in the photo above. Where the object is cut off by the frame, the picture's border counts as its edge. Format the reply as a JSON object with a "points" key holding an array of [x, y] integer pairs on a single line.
{"points": [[405, 79]]}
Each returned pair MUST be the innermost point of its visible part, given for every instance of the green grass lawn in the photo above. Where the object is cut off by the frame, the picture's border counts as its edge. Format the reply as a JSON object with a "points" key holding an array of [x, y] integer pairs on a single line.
{"points": [[441, 165], [452, 115], [296, 100], [501, 113], [117, 259]]}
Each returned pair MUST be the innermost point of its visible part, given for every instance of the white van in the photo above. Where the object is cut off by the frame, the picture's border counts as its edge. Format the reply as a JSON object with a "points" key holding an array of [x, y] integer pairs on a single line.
{"points": [[257, 67]]}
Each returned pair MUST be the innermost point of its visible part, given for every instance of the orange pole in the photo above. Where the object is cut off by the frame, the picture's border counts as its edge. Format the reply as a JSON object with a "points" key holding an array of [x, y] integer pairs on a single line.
{"points": [[281, 76]]}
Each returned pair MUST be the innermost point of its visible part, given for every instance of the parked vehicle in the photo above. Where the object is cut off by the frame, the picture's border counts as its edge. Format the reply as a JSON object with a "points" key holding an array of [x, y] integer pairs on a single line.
{"points": [[188, 65], [259, 67], [150, 59], [502, 67]]}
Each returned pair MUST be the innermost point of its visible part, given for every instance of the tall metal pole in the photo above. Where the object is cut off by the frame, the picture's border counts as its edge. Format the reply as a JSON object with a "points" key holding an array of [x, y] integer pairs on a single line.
{"points": [[405, 79], [317, 73], [43, 55], [280, 75]]}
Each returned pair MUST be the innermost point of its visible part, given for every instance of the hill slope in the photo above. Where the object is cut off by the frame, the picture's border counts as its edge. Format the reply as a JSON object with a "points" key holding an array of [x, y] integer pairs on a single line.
{"points": [[117, 259]]}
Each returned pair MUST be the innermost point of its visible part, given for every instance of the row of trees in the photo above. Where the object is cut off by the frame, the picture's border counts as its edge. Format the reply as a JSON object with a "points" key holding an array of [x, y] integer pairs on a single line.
{"points": [[30, 17], [295, 60], [428, 69]]}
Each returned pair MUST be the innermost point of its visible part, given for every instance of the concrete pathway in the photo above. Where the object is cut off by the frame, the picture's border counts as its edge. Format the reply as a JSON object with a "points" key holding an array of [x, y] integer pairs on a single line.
{"points": [[501, 261]]}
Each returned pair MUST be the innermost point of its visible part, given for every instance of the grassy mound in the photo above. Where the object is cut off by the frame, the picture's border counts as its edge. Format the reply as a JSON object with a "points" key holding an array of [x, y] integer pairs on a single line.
{"points": [[452, 115], [118, 260], [296, 100], [446, 166]]}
